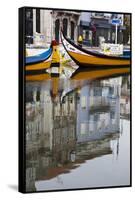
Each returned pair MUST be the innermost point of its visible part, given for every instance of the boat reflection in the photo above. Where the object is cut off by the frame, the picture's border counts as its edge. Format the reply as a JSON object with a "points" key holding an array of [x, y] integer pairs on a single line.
{"points": [[78, 125]]}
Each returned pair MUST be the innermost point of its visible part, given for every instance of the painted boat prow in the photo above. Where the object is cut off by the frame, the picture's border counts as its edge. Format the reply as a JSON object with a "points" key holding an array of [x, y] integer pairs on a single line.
{"points": [[38, 58], [86, 58]]}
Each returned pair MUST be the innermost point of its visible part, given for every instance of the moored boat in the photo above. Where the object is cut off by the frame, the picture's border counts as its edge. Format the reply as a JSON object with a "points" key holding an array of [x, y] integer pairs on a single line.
{"points": [[43, 66], [31, 60], [35, 65], [85, 58]]}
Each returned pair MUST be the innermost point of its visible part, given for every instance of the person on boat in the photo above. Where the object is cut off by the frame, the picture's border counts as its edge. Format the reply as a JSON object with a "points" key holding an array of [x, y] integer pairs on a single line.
{"points": [[80, 40]]}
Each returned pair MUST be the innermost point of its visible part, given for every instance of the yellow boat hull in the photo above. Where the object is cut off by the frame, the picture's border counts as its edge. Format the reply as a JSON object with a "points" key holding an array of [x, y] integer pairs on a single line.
{"points": [[38, 66], [93, 60]]}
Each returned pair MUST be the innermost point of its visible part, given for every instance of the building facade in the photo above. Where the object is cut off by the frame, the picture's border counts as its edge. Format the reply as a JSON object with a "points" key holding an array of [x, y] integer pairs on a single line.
{"points": [[91, 25], [96, 25], [48, 23]]}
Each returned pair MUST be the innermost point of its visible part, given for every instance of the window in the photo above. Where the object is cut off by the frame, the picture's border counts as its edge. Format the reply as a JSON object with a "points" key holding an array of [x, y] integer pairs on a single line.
{"points": [[38, 96], [114, 16], [112, 115], [29, 96], [84, 34], [38, 20], [109, 35], [97, 91], [83, 102], [57, 26], [99, 14], [111, 90], [96, 117], [71, 133], [83, 128], [72, 30], [65, 24], [87, 35], [91, 127]]}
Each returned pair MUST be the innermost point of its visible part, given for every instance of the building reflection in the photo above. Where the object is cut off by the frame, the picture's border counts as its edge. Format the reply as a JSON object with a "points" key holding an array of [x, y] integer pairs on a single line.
{"points": [[98, 111], [125, 98], [62, 134], [64, 128]]}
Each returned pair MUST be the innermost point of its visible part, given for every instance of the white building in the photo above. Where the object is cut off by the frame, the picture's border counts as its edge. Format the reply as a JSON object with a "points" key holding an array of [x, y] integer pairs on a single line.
{"points": [[49, 23]]}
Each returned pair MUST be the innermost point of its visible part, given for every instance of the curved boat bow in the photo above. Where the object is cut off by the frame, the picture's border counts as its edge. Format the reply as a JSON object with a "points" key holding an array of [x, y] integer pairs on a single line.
{"points": [[31, 60], [92, 59]]}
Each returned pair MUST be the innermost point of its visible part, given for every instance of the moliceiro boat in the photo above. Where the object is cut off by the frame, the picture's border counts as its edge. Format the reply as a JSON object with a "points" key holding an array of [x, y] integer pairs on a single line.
{"points": [[43, 66], [85, 58]]}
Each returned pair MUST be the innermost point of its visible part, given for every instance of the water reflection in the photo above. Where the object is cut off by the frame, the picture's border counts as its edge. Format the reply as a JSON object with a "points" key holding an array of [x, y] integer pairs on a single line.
{"points": [[79, 124]]}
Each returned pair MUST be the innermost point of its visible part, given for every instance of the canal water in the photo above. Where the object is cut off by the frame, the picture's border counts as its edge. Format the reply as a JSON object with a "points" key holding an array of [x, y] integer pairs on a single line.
{"points": [[77, 134]]}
